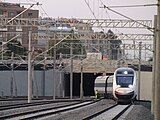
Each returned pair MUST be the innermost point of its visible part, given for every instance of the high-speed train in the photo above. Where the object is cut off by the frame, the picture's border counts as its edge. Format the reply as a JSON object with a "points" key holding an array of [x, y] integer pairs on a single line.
{"points": [[103, 84], [124, 84]]}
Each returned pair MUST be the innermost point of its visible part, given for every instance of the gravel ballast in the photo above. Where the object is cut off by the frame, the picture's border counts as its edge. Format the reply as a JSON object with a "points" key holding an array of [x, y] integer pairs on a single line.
{"points": [[80, 113], [139, 112]]}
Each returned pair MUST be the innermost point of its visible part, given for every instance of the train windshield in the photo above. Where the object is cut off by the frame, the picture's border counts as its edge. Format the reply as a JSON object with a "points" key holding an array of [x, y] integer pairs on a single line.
{"points": [[124, 80]]}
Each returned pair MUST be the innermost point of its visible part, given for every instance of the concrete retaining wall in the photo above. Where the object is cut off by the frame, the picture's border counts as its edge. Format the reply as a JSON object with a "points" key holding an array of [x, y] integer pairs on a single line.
{"points": [[146, 86], [21, 83]]}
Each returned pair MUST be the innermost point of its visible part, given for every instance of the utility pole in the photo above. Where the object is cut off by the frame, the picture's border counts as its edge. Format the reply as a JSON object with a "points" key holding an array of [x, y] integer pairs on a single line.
{"points": [[139, 70], [12, 75], [134, 42], [43, 77], [13, 81], [154, 65], [71, 71], [60, 77], [29, 70], [2, 51], [81, 84], [157, 75], [54, 73]]}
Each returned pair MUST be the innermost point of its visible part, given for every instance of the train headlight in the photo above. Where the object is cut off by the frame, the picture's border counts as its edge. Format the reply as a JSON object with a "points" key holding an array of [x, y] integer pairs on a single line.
{"points": [[125, 72]]}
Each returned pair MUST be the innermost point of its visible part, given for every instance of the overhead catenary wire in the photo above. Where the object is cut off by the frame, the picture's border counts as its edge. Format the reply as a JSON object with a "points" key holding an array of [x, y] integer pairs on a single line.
{"points": [[51, 47], [124, 6], [118, 30], [93, 13], [41, 8], [115, 28], [110, 19], [44, 11], [149, 28], [90, 9], [35, 1], [23, 12]]}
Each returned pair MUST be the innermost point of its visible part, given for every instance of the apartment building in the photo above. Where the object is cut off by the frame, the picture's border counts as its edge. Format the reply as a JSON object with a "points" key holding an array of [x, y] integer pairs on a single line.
{"points": [[10, 10]]}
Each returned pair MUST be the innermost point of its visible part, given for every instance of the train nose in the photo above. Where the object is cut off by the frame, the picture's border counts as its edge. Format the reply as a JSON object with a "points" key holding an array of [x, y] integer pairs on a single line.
{"points": [[124, 93]]}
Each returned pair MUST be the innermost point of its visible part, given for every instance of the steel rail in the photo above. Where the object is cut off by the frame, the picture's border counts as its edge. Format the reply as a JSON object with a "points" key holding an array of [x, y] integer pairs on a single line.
{"points": [[105, 110], [43, 110], [25, 104], [58, 111], [100, 112], [120, 114]]}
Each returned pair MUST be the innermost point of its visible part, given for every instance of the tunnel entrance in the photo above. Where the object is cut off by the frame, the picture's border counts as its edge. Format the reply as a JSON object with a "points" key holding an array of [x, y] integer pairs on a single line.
{"points": [[88, 83]]}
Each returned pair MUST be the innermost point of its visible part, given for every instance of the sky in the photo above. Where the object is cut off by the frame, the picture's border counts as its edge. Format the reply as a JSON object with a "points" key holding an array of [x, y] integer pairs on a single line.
{"points": [[79, 8]]}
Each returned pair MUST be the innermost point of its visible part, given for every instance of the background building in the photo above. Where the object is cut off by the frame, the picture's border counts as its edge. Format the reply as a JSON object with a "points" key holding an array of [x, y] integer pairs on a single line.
{"points": [[10, 10]]}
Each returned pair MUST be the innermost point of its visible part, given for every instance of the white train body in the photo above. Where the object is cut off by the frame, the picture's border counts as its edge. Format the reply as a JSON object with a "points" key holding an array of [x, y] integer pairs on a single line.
{"points": [[124, 84], [103, 84]]}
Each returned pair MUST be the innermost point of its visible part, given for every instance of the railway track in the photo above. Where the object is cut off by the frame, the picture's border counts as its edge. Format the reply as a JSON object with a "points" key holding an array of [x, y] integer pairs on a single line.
{"points": [[33, 114], [25, 104], [111, 113], [19, 105]]}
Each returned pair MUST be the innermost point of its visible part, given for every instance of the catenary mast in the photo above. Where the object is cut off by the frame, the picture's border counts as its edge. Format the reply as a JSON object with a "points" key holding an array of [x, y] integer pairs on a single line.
{"points": [[157, 75]]}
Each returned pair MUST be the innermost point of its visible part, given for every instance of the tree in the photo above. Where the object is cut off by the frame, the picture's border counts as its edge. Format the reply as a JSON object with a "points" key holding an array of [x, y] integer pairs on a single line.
{"points": [[66, 49], [16, 47]]}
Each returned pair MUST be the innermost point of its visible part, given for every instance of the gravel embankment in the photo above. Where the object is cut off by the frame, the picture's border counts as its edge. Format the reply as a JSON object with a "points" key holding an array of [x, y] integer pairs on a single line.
{"points": [[31, 108], [79, 114], [139, 112], [3, 103]]}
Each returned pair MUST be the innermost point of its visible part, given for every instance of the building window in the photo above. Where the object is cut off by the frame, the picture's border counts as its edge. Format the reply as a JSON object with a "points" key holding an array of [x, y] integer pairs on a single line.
{"points": [[19, 39], [11, 14], [11, 28], [1, 12], [30, 14], [5, 14]]}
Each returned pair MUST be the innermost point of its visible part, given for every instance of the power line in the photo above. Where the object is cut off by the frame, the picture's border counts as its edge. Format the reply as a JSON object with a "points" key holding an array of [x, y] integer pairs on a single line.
{"points": [[149, 28], [105, 7], [41, 8], [90, 8], [146, 5], [44, 11], [110, 19], [92, 12]]}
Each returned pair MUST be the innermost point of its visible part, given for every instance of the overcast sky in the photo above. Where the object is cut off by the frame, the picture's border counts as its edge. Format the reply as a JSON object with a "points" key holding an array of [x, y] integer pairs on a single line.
{"points": [[79, 9]]}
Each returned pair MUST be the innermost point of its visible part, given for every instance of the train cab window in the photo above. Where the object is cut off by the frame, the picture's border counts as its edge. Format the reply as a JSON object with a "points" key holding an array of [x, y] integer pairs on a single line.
{"points": [[119, 72], [130, 72], [124, 80], [125, 72]]}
